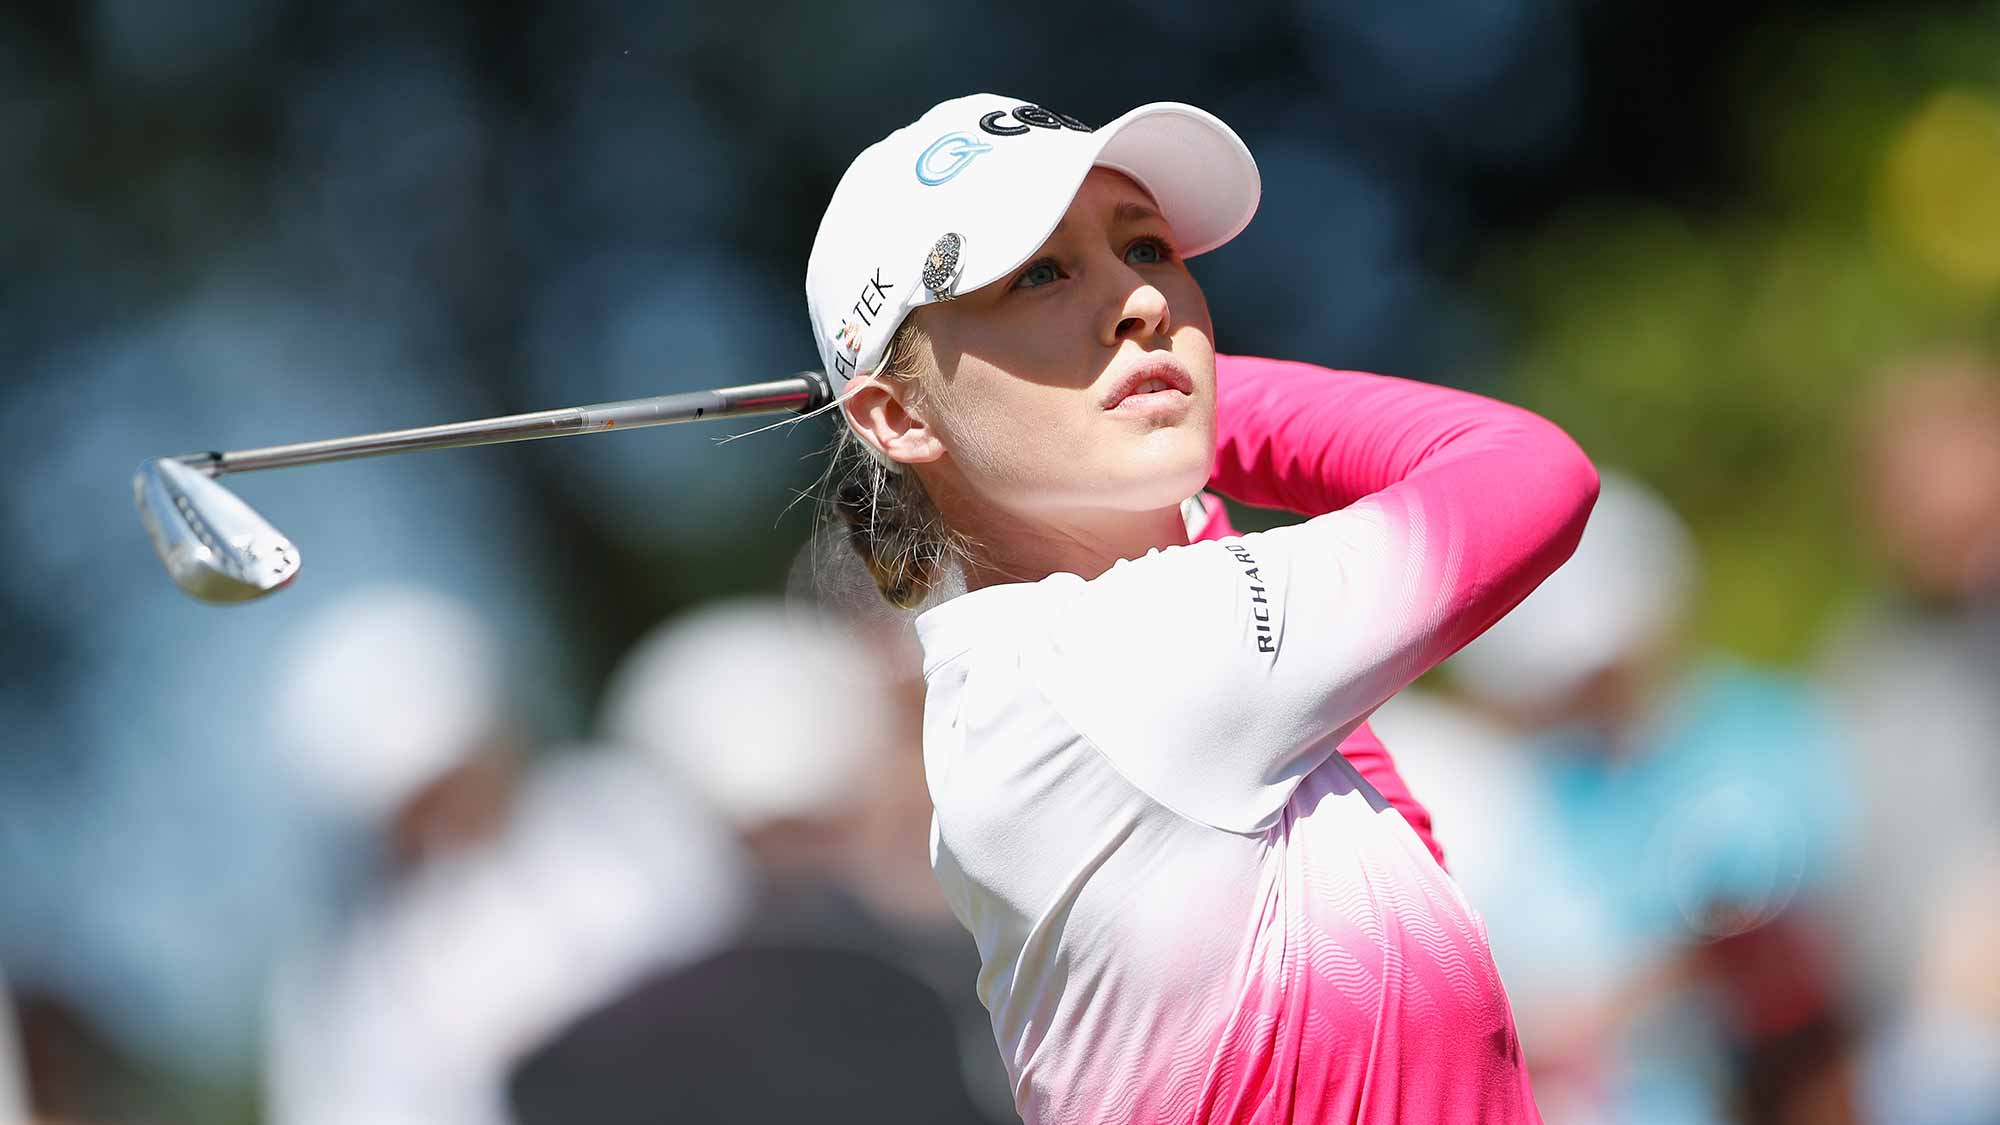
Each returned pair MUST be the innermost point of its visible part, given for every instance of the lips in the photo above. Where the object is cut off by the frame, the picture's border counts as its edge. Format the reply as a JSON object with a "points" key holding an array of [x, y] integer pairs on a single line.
{"points": [[1150, 376]]}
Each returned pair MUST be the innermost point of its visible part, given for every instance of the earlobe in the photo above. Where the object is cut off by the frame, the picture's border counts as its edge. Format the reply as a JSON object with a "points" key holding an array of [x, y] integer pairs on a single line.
{"points": [[875, 410]]}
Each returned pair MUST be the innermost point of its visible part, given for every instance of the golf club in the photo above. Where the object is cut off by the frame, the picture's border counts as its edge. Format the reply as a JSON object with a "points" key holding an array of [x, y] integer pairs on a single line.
{"points": [[220, 550]]}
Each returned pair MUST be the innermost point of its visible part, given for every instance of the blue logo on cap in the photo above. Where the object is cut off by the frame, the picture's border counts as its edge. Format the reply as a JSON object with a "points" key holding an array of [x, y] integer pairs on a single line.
{"points": [[947, 157]]}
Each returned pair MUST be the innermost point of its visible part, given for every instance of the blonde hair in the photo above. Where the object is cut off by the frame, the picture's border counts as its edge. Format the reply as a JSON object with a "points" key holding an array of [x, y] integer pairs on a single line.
{"points": [[891, 521]]}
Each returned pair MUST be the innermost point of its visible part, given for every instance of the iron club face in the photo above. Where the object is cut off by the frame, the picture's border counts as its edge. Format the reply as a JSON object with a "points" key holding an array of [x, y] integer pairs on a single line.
{"points": [[214, 546]]}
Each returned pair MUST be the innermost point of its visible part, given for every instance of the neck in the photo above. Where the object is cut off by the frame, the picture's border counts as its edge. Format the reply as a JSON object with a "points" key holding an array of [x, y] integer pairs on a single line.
{"points": [[1087, 543]]}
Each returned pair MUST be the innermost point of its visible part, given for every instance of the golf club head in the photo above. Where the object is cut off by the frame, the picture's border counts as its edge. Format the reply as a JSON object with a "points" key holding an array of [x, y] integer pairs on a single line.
{"points": [[214, 546]]}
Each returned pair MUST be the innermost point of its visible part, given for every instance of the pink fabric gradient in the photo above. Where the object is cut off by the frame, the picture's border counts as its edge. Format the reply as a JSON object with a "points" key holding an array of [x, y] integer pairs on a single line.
{"points": [[1369, 991]]}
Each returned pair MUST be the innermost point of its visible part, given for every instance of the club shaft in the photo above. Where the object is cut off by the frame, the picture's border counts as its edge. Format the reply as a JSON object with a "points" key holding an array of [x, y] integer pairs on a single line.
{"points": [[798, 394]]}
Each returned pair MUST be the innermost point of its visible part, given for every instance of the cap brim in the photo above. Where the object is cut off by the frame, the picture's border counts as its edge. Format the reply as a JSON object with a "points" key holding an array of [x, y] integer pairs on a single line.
{"points": [[1195, 167]]}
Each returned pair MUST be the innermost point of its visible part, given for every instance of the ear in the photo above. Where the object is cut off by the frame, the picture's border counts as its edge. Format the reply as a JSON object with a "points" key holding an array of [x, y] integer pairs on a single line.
{"points": [[875, 408]]}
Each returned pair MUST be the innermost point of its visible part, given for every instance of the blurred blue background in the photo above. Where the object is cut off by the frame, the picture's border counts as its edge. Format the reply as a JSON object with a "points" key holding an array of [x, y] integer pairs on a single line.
{"points": [[1694, 234]]}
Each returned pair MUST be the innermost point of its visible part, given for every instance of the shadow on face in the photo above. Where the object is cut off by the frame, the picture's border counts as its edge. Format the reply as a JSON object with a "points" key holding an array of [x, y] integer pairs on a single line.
{"points": [[1030, 371]]}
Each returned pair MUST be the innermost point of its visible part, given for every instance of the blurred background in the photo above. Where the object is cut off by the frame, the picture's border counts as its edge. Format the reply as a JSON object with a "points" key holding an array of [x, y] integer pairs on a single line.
{"points": [[440, 835]]}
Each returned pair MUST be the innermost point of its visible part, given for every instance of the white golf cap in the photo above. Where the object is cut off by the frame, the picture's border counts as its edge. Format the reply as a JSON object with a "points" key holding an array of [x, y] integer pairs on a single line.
{"points": [[767, 714], [383, 691], [970, 190]]}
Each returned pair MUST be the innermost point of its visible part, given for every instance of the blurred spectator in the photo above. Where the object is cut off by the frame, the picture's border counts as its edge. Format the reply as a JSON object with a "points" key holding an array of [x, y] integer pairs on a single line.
{"points": [[1665, 814], [70, 1071], [504, 914], [799, 731], [391, 707], [756, 1036], [889, 868], [1930, 487], [771, 722], [1917, 673], [605, 872], [13, 1091]]}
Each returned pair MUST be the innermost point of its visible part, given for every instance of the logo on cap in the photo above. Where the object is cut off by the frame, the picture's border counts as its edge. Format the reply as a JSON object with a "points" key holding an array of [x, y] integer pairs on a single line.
{"points": [[947, 157], [1026, 115], [943, 265], [849, 337]]}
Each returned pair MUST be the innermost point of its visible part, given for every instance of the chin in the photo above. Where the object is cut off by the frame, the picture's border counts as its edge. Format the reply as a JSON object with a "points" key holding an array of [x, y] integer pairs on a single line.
{"points": [[1167, 469]]}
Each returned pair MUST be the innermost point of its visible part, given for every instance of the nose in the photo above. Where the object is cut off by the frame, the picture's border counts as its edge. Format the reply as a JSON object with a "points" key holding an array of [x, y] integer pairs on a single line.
{"points": [[1143, 316]]}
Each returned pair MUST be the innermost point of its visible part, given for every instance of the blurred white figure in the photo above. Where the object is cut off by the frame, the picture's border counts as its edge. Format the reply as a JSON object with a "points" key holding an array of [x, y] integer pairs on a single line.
{"points": [[800, 728], [889, 865], [13, 1087], [607, 872], [890, 868], [773, 717], [504, 918], [1917, 675], [384, 692]]}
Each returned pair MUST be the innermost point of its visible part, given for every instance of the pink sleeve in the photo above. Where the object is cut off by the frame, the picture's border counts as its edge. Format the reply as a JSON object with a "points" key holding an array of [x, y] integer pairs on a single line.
{"points": [[1363, 749], [1494, 496]]}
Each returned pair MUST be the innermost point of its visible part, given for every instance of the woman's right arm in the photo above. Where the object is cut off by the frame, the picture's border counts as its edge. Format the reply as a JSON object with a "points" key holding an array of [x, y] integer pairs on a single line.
{"points": [[1443, 510]]}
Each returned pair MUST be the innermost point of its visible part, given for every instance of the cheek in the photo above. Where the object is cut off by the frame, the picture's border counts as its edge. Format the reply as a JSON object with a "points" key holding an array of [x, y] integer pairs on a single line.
{"points": [[1190, 306], [1024, 433], [1006, 431]]}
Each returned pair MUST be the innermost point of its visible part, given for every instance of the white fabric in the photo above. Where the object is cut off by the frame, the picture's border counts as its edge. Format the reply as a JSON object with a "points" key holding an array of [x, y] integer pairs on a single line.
{"points": [[1000, 173], [1163, 658]]}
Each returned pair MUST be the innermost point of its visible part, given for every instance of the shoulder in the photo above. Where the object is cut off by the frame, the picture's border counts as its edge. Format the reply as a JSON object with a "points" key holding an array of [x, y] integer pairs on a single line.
{"points": [[1158, 592], [985, 619]]}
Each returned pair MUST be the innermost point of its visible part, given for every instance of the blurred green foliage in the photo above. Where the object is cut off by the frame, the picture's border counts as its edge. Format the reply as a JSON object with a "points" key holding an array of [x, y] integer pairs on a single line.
{"points": [[1718, 351]]}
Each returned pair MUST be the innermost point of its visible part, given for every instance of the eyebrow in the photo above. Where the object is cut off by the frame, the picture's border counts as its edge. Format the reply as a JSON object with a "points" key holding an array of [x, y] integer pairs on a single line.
{"points": [[1130, 212], [1125, 211]]}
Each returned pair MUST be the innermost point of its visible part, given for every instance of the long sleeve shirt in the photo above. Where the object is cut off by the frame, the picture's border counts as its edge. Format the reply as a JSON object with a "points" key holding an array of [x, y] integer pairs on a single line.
{"points": [[1189, 907]]}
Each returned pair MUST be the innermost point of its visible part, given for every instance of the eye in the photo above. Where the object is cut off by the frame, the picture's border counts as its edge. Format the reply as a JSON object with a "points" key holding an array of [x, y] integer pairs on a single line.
{"points": [[1040, 273], [1149, 251]]}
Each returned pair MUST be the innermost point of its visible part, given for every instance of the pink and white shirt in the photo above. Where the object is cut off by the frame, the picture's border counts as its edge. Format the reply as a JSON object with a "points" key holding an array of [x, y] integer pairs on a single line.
{"points": [[1189, 907]]}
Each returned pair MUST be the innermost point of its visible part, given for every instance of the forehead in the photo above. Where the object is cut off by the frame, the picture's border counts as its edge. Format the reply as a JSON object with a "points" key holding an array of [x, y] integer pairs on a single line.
{"points": [[1107, 198], [1109, 193]]}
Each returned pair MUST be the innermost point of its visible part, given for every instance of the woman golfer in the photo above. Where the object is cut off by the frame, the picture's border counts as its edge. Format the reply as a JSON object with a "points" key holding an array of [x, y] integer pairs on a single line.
{"points": [[1189, 906]]}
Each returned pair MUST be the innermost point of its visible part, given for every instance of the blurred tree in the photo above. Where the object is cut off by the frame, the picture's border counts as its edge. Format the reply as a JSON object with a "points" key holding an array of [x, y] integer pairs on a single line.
{"points": [[1717, 351]]}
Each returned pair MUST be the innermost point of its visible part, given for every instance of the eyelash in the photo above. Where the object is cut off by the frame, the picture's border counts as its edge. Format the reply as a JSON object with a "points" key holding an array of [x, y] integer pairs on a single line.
{"points": [[1165, 249]]}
